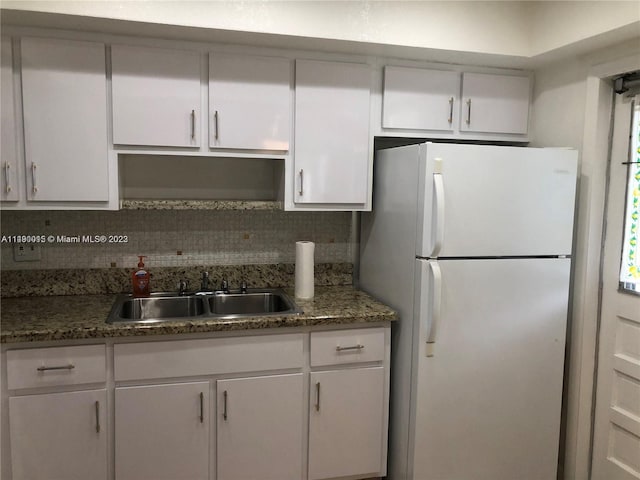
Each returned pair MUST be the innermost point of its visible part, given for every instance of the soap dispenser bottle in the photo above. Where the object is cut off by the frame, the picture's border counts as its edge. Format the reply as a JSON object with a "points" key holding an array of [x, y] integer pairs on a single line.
{"points": [[140, 280]]}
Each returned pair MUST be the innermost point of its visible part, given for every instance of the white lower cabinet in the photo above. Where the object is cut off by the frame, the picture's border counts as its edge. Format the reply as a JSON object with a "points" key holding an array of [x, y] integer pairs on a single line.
{"points": [[346, 427], [59, 436], [259, 428], [306, 404], [162, 432]]}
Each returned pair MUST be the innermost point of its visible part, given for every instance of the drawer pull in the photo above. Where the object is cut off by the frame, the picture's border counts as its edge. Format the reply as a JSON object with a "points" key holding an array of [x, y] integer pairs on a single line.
{"points": [[201, 407], [317, 396], [224, 408], [354, 347], [97, 404], [61, 367], [193, 124]]}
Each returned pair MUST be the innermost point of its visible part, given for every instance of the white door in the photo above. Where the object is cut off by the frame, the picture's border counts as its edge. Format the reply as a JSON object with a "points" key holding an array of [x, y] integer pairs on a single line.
{"points": [[616, 445], [259, 428], [9, 161], [156, 96], [249, 102], [415, 98], [494, 103], [481, 200], [331, 132], [162, 432], [346, 423], [488, 400], [64, 95], [59, 436]]}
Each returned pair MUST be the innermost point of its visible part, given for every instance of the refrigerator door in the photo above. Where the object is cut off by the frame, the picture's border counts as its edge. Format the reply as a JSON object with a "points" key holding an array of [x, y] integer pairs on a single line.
{"points": [[489, 201], [487, 403]]}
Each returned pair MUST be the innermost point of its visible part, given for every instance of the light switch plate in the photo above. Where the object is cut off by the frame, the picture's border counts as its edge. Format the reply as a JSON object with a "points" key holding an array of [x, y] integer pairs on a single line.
{"points": [[27, 252]]}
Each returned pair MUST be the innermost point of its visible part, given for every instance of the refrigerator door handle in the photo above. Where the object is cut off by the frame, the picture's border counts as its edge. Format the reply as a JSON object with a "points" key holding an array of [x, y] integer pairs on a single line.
{"points": [[437, 306], [438, 184]]}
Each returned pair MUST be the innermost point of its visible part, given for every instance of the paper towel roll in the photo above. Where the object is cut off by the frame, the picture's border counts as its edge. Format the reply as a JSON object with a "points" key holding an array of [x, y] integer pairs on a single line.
{"points": [[304, 269]]}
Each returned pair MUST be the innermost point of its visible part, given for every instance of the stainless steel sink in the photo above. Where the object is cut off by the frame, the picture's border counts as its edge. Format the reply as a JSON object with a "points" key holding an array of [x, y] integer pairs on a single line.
{"points": [[169, 306], [254, 303]]}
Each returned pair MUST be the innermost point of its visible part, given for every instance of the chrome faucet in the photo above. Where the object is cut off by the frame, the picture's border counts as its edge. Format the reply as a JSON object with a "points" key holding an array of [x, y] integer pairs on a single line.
{"points": [[182, 287], [224, 286], [243, 287], [204, 284]]}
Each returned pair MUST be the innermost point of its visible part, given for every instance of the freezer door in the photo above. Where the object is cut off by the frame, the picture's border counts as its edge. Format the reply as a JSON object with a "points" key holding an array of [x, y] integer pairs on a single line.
{"points": [[487, 403], [489, 201]]}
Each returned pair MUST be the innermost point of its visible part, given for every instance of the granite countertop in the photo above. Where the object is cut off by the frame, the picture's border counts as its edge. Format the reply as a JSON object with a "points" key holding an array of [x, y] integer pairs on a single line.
{"points": [[31, 319]]}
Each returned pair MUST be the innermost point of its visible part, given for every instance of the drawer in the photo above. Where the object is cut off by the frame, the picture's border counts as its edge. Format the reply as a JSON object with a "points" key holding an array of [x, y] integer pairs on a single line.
{"points": [[347, 346], [49, 367], [211, 356]]}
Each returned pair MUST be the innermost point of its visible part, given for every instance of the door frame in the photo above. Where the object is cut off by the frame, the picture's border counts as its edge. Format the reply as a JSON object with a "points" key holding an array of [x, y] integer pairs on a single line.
{"points": [[585, 304]]}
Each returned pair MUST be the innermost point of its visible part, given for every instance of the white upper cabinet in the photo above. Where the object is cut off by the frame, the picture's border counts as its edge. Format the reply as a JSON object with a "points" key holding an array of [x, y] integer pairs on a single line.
{"points": [[65, 120], [249, 102], [420, 99], [9, 161], [332, 145], [494, 103], [156, 96]]}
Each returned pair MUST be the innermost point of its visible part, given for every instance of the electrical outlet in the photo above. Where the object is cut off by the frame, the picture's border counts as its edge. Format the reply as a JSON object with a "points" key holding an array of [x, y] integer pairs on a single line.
{"points": [[26, 252]]}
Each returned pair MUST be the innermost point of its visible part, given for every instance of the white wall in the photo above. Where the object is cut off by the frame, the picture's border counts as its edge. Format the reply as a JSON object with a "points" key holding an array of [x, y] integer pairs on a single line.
{"points": [[571, 107], [511, 28], [560, 23]]}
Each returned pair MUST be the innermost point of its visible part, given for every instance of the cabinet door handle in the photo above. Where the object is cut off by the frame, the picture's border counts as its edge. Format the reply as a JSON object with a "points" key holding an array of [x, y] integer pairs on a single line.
{"points": [[215, 124], [224, 404], [450, 119], [469, 112], [353, 347], [301, 182], [34, 186], [7, 179], [193, 124], [59, 367], [97, 404], [317, 396], [201, 407]]}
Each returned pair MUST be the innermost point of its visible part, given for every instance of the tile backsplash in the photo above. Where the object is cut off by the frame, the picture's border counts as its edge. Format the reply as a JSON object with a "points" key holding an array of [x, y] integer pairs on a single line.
{"points": [[171, 238]]}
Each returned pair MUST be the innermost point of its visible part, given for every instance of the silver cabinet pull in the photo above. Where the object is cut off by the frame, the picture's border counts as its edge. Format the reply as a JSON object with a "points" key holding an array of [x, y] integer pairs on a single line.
{"points": [[354, 347], [215, 124], [450, 119], [60, 367], [301, 182], [34, 186], [193, 124], [201, 407], [317, 396], [7, 179], [224, 405], [97, 416], [469, 112]]}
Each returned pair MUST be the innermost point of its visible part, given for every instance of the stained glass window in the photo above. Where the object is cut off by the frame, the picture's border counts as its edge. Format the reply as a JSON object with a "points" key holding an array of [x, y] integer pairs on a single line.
{"points": [[630, 267]]}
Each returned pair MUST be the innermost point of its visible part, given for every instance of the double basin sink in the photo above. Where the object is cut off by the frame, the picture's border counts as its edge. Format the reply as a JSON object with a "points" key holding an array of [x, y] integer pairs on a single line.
{"points": [[169, 306]]}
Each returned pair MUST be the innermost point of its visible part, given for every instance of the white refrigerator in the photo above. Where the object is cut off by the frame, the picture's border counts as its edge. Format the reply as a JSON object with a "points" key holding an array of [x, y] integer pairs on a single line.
{"points": [[471, 244]]}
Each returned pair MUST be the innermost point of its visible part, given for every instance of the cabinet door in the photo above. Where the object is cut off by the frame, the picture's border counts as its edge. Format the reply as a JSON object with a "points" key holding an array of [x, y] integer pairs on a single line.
{"points": [[61, 435], [420, 99], [249, 102], [346, 423], [64, 98], [331, 132], [260, 428], [494, 103], [156, 96], [162, 432], [9, 162]]}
